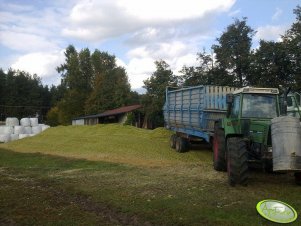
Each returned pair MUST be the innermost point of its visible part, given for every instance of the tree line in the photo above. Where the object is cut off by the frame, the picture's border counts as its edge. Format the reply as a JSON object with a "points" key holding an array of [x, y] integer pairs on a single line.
{"points": [[233, 63], [92, 82], [22, 95]]}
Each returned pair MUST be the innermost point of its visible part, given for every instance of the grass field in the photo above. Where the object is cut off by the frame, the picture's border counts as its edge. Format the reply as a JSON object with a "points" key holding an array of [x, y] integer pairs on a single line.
{"points": [[120, 175]]}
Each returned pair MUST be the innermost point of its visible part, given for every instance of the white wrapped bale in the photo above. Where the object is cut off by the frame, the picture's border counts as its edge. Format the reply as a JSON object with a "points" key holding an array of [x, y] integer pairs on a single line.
{"points": [[4, 138], [27, 129], [36, 129], [12, 122], [19, 130], [25, 122], [44, 127], [21, 136], [14, 137], [6, 129], [34, 122]]}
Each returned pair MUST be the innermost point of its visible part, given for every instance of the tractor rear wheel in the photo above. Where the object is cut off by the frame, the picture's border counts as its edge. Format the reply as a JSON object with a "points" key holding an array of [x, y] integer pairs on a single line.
{"points": [[298, 178], [219, 158], [237, 161], [181, 144], [172, 141]]}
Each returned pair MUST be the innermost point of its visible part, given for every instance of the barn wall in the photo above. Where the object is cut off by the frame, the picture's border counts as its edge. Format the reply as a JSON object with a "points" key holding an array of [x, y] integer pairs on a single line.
{"points": [[77, 122]]}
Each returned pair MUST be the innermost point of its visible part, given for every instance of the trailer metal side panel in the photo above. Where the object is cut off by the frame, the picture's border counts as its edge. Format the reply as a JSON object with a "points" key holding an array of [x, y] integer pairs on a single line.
{"points": [[193, 110]]}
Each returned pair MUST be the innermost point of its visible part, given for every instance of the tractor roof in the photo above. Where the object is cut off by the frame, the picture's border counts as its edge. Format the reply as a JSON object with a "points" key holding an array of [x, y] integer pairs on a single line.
{"points": [[257, 90]]}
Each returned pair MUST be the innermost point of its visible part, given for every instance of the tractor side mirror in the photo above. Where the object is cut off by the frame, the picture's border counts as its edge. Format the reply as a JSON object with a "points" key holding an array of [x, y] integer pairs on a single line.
{"points": [[229, 98]]}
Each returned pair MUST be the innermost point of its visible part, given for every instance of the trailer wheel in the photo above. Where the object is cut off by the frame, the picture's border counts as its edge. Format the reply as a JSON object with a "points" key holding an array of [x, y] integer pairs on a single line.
{"points": [[237, 161], [181, 145], [298, 178], [219, 158], [172, 141]]}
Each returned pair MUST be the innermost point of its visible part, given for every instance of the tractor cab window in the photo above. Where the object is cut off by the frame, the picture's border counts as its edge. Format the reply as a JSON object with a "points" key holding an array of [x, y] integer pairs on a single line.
{"points": [[235, 107], [259, 106]]}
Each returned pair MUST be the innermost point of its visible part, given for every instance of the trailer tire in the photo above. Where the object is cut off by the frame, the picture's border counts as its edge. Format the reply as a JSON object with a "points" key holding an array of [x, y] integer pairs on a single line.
{"points": [[219, 152], [237, 161], [298, 178], [172, 141], [181, 144]]}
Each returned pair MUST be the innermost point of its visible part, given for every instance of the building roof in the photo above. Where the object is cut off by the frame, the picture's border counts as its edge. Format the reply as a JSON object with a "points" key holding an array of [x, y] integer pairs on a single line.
{"points": [[115, 111]]}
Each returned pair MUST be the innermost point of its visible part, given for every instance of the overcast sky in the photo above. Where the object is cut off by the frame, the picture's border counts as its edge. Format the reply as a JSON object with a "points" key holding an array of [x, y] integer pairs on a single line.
{"points": [[34, 33]]}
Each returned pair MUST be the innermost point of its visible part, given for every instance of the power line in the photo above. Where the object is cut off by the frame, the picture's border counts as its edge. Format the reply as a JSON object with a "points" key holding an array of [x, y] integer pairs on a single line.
{"points": [[24, 106]]}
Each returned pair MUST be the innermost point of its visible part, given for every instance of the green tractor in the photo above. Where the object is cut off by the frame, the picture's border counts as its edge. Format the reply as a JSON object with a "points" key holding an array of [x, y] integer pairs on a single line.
{"points": [[243, 139]]}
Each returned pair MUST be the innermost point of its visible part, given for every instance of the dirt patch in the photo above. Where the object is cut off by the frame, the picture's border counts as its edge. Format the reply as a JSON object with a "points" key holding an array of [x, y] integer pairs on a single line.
{"points": [[62, 199]]}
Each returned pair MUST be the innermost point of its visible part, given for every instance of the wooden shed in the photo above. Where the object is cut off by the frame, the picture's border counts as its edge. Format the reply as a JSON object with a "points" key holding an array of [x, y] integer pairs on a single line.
{"points": [[118, 115]]}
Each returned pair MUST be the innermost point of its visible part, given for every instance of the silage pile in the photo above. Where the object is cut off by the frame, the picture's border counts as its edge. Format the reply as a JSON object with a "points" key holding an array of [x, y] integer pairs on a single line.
{"points": [[15, 129]]}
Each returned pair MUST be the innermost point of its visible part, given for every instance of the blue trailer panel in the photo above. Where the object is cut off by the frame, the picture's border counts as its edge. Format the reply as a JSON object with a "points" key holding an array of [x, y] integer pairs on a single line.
{"points": [[194, 110]]}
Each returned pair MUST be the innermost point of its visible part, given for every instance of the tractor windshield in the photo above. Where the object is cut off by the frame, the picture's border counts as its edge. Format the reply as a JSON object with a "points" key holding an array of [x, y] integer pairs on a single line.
{"points": [[259, 106]]}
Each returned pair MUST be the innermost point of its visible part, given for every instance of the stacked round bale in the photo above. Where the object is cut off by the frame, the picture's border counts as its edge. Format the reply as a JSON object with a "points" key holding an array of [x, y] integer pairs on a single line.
{"points": [[14, 130]]}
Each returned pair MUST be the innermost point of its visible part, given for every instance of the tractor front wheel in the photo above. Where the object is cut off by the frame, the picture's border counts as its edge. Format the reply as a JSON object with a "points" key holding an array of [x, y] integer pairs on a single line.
{"points": [[237, 161], [219, 158]]}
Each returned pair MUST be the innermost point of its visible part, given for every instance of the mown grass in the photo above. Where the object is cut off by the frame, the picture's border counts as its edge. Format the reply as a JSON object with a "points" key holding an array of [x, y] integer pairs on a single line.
{"points": [[113, 143], [149, 184]]}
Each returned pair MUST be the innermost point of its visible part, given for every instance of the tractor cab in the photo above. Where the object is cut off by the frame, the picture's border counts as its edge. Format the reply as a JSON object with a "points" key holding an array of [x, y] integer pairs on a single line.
{"points": [[250, 111]]}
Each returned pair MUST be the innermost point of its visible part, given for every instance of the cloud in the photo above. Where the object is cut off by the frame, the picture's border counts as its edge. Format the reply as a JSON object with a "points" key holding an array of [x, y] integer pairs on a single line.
{"points": [[168, 30], [93, 20], [25, 42], [234, 13], [29, 28], [139, 69], [41, 63], [277, 14], [141, 64], [270, 33], [155, 11], [145, 31]]}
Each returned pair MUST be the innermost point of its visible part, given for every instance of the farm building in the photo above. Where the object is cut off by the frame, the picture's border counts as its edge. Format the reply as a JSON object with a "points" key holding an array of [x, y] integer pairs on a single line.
{"points": [[118, 115]]}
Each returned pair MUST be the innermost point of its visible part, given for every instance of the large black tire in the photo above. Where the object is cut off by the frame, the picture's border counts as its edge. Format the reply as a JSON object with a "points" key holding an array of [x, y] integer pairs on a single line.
{"points": [[172, 141], [219, 146], [181, 145], [298, 178], [237, 161]]}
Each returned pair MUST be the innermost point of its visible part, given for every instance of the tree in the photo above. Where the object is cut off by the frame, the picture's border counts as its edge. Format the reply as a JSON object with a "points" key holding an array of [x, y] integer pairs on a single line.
{"points": [[233, 51], [53, 116], [271, 66], [77, 73], [154, 98], [292, 44], [70, 70], [85, 65], [201, 74], [2, 86], [22, 95], [111, 88]]}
